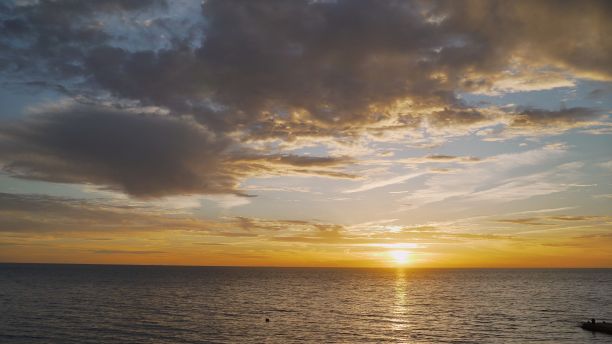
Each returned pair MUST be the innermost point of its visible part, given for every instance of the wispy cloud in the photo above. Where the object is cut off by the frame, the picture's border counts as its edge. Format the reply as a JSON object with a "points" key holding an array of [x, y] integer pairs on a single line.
{"points": [[127, 252], [375, 184]]}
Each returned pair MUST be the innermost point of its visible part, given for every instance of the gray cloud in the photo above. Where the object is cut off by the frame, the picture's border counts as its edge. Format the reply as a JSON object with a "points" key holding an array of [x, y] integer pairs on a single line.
{"points": [[530, 118], [144, 155], [268, 70], [547, 31], [342, 62], [599, 93], [50, 38], [452, 118]]}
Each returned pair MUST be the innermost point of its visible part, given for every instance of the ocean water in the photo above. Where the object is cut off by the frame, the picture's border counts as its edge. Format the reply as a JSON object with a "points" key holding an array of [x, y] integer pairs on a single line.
{"points": [[129, 304]]}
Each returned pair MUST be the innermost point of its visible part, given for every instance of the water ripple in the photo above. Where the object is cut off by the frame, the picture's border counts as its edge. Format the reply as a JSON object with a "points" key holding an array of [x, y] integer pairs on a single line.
{"points": [[114, 304]]}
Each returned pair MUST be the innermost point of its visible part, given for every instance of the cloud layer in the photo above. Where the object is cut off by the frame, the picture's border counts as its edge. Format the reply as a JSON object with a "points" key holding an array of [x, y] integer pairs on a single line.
{"points": [[240, 73], [142, 154]]}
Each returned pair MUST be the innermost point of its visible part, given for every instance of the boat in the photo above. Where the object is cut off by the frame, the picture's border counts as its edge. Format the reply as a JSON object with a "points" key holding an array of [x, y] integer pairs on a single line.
{"points": [[597, 327]]}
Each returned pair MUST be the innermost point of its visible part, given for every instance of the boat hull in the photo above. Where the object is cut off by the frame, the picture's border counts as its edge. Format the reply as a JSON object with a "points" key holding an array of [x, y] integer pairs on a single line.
{"points": [[597, 327]]}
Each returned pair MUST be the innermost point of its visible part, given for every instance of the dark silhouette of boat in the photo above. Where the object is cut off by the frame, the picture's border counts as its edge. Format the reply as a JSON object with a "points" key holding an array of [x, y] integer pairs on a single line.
{"points": [[597, 326]]}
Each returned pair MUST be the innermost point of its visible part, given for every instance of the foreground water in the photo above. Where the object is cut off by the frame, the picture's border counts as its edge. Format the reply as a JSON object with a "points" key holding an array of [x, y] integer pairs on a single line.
{"points": [[128, 304]]}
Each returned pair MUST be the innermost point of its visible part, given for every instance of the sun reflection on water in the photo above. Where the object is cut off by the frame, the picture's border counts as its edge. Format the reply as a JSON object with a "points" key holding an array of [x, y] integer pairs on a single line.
{"points": [[400, 308]]}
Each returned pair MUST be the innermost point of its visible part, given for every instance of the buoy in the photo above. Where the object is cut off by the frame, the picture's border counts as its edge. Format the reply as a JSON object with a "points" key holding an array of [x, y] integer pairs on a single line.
{"points": [[267, 320]]}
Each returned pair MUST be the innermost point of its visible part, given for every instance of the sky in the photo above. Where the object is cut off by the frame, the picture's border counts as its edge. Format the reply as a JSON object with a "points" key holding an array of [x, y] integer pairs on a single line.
{"points": [[306, 133]]}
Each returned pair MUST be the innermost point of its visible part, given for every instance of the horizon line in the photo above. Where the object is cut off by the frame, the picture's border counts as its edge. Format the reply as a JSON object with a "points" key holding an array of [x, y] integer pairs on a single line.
{"points": [[315, 267]]}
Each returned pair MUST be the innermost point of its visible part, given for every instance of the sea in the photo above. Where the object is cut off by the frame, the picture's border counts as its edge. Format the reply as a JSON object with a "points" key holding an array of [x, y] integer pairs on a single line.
{"points": [[42, 303]]}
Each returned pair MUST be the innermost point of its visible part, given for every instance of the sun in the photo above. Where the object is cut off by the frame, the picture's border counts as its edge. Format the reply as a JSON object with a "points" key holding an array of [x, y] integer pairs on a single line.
{"points": [[400, 257]]}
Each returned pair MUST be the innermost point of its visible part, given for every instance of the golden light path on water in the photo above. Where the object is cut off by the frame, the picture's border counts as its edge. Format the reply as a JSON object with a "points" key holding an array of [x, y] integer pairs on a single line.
{"points": [[400, 308]]}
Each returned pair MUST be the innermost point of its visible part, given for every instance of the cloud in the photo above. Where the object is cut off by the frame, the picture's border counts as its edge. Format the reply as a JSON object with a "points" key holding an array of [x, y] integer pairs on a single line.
{"points": [[599, 93], [531, 122], [237, 73], [300, 68], [574, 218], [381, 239], [599, 129], [496, 179], [545, 210], [553, 220], [442, 158], [36, 216], [379, 183], [126, 252], [539, 32], [523, 221], [40, 214], [45, 214], [57, 227], [523, 79], [457, 118], [141, 154], [518, 188], [571, 117], [606, 165], [320, 234], [275, 164]]}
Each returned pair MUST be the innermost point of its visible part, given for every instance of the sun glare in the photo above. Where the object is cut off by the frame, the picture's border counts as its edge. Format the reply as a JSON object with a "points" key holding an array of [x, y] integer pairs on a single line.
{"points": [[400, 257]]}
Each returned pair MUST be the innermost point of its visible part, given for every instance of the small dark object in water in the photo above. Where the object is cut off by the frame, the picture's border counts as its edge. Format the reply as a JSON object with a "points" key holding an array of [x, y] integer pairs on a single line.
{"points": [[597, 327], [267, 320]]}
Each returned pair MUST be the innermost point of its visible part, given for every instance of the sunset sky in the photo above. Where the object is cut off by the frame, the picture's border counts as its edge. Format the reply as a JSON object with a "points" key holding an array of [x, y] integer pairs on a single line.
{"points": [[306, 133]]}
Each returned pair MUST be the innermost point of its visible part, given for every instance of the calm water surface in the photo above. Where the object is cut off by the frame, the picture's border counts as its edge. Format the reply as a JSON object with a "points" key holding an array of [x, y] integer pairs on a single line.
{"points": [[115, 304]]}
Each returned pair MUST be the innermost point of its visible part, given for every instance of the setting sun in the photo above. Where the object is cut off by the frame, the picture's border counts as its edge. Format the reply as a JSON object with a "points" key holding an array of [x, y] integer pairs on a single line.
{"points": [[400, 257]]}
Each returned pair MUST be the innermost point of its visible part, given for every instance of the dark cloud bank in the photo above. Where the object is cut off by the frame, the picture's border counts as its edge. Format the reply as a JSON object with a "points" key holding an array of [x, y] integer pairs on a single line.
{"points": [[248, 71], [145, 155]]}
